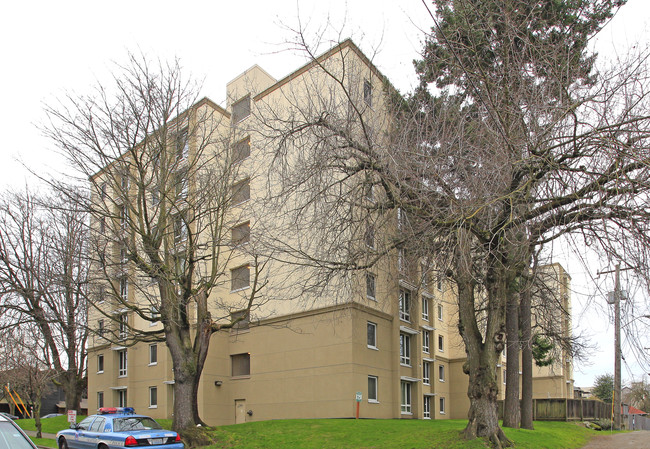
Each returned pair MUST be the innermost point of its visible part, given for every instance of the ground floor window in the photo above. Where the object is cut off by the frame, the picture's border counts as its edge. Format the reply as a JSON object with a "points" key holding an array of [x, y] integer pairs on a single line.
{"points": [[442, 406], [372, 389], [406, 397], [100, 399], [153, 397], [427, 406], [121, 398]]}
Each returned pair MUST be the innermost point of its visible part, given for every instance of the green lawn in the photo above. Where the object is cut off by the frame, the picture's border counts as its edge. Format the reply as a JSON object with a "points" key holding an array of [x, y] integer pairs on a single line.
{"points": [[375, 434]]}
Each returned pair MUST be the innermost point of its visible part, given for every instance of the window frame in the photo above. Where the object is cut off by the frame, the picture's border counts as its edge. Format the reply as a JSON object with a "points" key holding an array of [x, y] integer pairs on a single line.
{"points": [[153, 354], [367, 92], [238, 238], [235, 115], [426, 341], [426, 373], [404, 349], [122, 363], [441, 373], [100, 399], [153, 397], [375, 399], [369, 325], [426, 407], [371, 286], [100, 363], [245, 373], [234, 286], [237, 154], [425, 308], [442, 405], [441, 343], [405, 398], [237, 188], [440, 312], [123, 326], [405, 302]]}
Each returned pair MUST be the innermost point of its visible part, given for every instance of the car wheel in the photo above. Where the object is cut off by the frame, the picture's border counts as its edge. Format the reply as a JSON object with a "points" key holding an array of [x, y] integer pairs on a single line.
{"points": [[63, 444], [102, 446]]}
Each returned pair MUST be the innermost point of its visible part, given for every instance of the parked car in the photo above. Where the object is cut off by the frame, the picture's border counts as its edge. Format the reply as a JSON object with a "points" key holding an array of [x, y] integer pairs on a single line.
{"points": [[7, 415], [51, 415], [118, 427], [12, 436]]}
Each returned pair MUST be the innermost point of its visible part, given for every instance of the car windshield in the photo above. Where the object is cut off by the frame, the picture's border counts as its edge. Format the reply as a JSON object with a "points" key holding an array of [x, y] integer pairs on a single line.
{"points": [[134, 423], [11, 438]]}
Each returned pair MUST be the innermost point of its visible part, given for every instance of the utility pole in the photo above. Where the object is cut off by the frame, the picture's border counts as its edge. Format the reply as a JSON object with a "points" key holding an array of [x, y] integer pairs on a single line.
{"points": [[617, 349]]}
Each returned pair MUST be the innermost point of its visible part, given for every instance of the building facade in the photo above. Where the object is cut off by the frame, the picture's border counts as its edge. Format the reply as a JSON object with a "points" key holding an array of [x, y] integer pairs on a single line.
{"points": [[390, 333]]}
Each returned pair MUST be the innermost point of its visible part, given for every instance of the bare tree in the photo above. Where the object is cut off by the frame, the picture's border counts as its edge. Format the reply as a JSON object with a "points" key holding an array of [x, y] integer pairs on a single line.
{"points": [[27, 367], [513, 141], [43, 280], [166, 230]]}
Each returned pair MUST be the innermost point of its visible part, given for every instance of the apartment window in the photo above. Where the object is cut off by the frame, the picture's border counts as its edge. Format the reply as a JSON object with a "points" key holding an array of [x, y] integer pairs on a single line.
{"points": [[124, 288], [372, 335], [153, 354], [426, 373], [121, 398], [241, 319], [241, 191], [241, 234], [426, 406], [155, 197], [102, 225], [182, 145], [442, 406], [125, 183], [367, 92], [155, 316], [504, 377], [102, 191], [400, 260], [372, 389], [100, 328], [424, 276], [100, 399], [405, 349], [441, 343], [406, 396], [441, 373], [241, 109], [404, 304], [425, 341], [124, 254], [122, 364], [370, 285], [439, 284], [100, 363], [241, 365], [425, 309], [370, 236], [180, 229], [101, 294], [123, 215], [440, 312], [153, 397], [123, 326], [240, 278], [241, 150], [368, 191], [182, 185]]}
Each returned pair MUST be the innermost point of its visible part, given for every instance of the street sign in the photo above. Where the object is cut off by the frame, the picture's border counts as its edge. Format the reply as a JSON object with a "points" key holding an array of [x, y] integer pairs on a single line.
{"points": [[72, 416], [359, 396]]}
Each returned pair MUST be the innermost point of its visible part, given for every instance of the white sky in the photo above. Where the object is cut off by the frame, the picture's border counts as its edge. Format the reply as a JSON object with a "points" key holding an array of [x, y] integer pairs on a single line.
{"points": [[53, 47]]}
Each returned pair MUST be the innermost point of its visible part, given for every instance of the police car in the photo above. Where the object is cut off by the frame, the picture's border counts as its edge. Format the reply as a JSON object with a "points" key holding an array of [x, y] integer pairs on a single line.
{"points": [[115, 427]]}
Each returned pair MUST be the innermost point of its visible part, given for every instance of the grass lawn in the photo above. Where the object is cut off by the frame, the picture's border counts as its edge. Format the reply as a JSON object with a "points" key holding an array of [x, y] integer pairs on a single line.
{"points": [[394, 434], [360, 434]]}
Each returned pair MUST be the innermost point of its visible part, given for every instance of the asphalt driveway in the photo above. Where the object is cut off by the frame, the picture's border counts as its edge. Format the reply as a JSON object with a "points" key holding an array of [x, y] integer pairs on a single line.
{"points": [[630, 440]]}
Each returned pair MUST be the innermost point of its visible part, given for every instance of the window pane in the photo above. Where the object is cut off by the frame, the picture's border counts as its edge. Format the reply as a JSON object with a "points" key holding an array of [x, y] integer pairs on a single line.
{"points": [[241, 109], [241, 191], [241, 364], [153, 396], [241, 233], [239, 278], [372, 334], [241, 150], [370, 286], [372, 388], [153, 354]]}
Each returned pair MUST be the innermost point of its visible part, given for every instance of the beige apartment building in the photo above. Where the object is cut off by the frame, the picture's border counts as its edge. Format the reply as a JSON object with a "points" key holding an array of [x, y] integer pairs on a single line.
{"points": [[390, 334]]}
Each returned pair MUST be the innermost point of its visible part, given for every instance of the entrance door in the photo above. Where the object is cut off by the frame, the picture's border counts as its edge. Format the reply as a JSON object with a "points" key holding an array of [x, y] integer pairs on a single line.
{"points": [[240, 411]]}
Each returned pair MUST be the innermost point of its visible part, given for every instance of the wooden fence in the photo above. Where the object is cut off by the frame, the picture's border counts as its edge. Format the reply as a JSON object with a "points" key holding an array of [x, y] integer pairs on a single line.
{"points": [[567, 410]]}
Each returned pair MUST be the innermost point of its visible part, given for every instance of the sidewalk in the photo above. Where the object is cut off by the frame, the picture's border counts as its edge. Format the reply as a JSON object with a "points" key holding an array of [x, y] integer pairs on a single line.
{"points": [[639, 439]]}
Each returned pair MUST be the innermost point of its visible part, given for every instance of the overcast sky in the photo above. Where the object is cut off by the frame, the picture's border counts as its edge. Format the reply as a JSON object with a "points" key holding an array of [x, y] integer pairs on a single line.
{"points": [[54, 47]]}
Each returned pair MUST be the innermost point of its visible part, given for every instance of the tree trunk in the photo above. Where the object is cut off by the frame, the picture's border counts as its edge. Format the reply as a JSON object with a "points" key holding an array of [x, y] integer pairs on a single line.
{"points": [[71, 390], [511, 414], [37, 417], [526, 361]]}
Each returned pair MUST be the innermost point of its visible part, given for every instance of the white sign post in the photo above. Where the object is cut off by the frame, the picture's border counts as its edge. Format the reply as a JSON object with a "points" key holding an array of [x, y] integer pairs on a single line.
{"points": [[358, 398], [72, 416]]}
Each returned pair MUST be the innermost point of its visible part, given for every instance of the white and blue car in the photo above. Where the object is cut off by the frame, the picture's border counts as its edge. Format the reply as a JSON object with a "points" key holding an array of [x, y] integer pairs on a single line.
{"points": [[117, 427]]}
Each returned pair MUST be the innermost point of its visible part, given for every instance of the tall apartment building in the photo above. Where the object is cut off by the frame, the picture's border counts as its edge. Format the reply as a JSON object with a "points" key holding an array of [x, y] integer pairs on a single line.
{"points": [[390, 333]]}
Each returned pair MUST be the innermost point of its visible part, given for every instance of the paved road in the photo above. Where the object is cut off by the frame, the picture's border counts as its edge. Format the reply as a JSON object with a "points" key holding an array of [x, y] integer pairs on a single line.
{"points": [[631, 440]]}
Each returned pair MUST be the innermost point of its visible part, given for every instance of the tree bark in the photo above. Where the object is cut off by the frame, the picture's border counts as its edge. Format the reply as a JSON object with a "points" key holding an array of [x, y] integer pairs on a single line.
{"points": [[511, 414], [526, 361]]}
